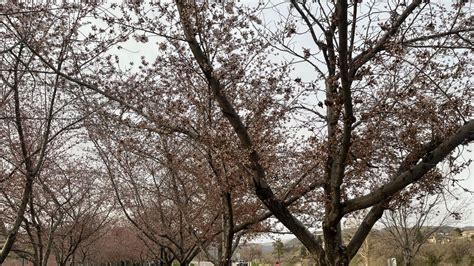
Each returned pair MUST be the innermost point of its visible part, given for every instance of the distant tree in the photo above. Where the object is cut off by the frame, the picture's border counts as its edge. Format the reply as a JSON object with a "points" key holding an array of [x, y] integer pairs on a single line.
{"points": [[252, 252], [410, 225], [303, 253], [364, 251], [371, 245], [457, 232], [119, 242], [278, 248]]}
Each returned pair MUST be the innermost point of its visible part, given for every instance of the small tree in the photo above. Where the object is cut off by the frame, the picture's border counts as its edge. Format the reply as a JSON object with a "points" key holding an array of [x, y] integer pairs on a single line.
{"points": [[412, 224], [278, 248], [252, 252]]}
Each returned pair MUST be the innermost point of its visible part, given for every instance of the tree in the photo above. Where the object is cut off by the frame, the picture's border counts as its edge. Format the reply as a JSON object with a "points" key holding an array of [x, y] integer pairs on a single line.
{"points": [[345, 139], [66, 210], [251, 252], [411, 224], [278, 248], [303, 254], [458, 232], [372, 124], [216, 177], [190, 211], [364, 251], [375, 245], [35, 117], [117, 244], [86, 214], [157, 208]]}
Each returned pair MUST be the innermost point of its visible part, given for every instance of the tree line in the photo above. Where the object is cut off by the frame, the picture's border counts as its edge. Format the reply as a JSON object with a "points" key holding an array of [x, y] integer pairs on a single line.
{"points": [[196, 122]]}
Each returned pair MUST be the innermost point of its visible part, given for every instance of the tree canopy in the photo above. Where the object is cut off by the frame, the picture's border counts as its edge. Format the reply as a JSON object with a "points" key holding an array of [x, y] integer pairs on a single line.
{"points": [[201, 120]]}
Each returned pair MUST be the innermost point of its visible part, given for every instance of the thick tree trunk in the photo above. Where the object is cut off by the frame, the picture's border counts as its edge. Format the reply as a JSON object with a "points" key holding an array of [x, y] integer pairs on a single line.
{"points": [[336, 253]]}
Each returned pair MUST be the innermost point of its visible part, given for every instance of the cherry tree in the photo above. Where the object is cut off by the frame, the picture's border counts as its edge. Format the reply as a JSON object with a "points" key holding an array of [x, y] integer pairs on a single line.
{"points": [[176, 201], [35, 114], [120, 243], [392, 112]]}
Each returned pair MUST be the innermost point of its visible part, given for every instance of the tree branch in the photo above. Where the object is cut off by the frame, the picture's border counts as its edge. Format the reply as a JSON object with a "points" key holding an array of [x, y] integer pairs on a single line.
{"points": [[465, 134], [367, 55], [262, 188]]}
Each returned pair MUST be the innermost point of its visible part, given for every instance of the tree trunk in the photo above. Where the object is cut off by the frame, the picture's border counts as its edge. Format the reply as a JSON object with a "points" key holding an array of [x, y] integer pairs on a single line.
{"points": [[10, 239], [407, 257], [336, 253], [225, 262], [228, 230]]}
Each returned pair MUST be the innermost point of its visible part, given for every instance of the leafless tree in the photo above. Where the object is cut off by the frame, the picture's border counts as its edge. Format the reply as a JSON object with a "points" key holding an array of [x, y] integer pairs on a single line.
{"points": [[411, 224]]}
